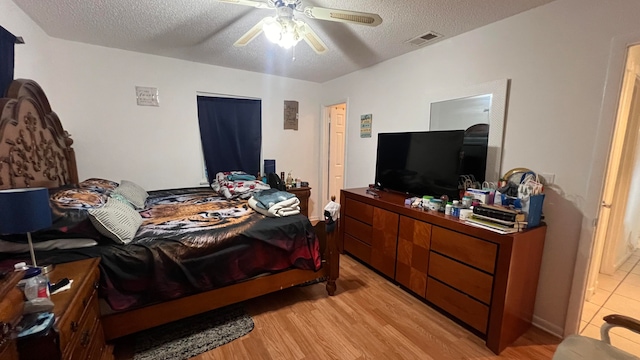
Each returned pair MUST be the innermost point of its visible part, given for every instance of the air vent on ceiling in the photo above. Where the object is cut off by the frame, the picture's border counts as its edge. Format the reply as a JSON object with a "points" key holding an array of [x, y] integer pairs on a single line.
{"points": [[423, 39]]}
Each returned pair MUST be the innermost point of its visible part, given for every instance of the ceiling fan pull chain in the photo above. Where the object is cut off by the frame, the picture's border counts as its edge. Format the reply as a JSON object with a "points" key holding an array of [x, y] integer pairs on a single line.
{"points": [[293, 53]]}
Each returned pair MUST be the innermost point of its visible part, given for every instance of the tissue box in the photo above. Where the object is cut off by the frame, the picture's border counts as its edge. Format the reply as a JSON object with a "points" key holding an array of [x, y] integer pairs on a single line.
{"points": [[481, 195]]}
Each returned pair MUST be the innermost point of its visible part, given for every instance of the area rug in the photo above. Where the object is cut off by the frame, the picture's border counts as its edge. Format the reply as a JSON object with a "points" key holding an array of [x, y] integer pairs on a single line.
{"points": [[192, 336]]}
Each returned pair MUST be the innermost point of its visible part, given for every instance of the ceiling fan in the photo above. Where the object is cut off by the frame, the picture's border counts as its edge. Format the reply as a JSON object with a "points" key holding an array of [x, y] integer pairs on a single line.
{"points": [[286, 31]]}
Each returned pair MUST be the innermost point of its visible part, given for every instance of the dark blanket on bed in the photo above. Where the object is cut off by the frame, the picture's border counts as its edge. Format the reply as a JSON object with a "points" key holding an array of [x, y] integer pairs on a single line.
{"points": [[192, 240]]}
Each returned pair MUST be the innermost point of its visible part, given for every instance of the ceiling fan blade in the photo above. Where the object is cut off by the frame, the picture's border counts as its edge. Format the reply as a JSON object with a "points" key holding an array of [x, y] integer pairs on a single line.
{"points": [[257, 4], [314, 40], [347, 16], [249, 35]]}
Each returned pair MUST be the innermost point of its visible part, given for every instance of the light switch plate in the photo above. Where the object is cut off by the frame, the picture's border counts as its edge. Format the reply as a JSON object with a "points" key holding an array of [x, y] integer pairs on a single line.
{"points": [[547, 178]]}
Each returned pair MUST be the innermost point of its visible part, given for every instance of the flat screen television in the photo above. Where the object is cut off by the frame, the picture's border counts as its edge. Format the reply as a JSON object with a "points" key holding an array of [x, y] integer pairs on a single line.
{"points": [[420, 163]]}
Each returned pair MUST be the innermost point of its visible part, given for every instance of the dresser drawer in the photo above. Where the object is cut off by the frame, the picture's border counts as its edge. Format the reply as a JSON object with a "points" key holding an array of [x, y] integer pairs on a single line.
{"points": [[70, 323], [464, 278], [359, 211], [470, 311], [359, 249], [358, 229], [81, 339], [97, 344], [469, 250]]}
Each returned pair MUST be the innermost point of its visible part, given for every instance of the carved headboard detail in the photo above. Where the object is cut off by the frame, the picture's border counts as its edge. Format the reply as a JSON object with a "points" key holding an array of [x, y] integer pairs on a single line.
{"points": [[34, 148]]}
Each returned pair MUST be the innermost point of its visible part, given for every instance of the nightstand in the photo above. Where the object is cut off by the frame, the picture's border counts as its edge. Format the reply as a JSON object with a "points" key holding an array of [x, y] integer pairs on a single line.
{"points": [[303, 194], [11, 305], [77, 312]]}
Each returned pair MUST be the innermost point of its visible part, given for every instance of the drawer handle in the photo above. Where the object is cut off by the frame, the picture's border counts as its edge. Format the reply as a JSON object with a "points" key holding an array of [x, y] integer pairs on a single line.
{"points": [[84, 341], [74, 326], [5, 332], [96, 285]]}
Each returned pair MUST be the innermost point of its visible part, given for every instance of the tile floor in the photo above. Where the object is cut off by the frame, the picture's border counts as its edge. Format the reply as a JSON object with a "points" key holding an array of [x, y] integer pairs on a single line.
{"points": [[616, 294]]}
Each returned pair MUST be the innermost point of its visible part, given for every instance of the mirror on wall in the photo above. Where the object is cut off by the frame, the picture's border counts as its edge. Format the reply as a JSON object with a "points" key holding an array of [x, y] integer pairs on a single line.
{"points": [[459, 109]]}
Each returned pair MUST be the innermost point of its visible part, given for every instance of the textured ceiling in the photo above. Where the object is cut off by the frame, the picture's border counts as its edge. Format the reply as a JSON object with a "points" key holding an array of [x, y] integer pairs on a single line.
{"points": [[204, 30]]}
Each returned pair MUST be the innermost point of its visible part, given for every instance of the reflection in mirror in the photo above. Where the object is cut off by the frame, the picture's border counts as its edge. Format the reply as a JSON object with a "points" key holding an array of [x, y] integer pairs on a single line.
{"points": [[472, 115], [459, 114], [459, 109]]}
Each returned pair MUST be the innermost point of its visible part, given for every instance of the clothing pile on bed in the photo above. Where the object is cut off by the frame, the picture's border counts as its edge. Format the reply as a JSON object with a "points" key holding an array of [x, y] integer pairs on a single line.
{"points": [[237, 184], [275, 203], [261, 197]]}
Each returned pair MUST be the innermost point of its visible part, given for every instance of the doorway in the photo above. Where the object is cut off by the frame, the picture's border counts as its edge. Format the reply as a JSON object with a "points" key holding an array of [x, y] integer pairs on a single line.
{"points": [[613, 279], [335, 126]]}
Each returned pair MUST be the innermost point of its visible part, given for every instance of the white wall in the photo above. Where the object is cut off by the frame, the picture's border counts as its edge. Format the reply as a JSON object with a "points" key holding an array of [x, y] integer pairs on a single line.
{"points": [[92, 89], [556, 57]]}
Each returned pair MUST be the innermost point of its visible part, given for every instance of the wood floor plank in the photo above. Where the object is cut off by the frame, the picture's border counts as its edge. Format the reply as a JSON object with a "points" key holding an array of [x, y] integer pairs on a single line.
{"points": [[368, 318]]}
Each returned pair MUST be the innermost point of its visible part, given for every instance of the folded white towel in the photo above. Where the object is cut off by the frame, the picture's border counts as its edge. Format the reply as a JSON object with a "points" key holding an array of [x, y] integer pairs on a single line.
{"points": [[253, 204], [283, 208], [288, 211], [285, 205]]}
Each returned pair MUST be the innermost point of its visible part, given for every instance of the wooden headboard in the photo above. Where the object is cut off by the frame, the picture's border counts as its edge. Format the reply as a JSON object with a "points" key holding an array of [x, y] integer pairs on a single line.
{"points": [[34, 148]]}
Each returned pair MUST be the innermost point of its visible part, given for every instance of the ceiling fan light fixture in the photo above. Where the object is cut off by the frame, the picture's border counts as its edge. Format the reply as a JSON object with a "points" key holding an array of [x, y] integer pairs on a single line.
{"points": [[282, 31], [272, 29]]}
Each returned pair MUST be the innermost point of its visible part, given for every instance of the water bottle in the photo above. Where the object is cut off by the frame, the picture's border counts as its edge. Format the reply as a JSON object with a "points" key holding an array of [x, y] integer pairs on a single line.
{"points": [[37, 286]]}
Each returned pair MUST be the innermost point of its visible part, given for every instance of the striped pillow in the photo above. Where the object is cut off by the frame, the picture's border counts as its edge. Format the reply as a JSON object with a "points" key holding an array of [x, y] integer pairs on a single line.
{"points": [[116, 220], [133, 192]]}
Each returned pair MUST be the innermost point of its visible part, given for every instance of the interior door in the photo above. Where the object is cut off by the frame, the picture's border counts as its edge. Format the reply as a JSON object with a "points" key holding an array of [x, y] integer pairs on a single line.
{"points": [[337, 128], [616, 186], [617, 229]]}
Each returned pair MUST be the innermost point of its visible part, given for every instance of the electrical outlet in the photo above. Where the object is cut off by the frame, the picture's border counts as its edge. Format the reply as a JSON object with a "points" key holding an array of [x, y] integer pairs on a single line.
{"points": [[547, 178]]}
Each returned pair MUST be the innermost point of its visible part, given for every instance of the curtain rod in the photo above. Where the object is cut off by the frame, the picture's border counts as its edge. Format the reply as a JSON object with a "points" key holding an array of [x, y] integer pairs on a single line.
{"points": [[19, 40]]}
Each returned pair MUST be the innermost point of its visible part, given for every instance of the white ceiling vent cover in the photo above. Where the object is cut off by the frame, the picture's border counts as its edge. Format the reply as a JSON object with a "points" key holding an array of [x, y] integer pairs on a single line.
{"points": [[424, 38]]}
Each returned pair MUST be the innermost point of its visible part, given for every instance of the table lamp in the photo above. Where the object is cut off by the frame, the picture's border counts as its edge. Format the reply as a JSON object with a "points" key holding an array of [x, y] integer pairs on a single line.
{"points": [[24, 211]]}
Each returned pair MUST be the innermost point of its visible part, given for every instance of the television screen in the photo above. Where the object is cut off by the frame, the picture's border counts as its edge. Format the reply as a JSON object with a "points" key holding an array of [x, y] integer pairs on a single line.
{"points": [[420, 163]]}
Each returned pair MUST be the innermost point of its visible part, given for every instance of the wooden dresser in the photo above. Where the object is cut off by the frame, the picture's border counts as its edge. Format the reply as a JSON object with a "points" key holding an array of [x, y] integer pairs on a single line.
{"points": [[485, 280], [303, 194], [77, 312], [11, 305]]}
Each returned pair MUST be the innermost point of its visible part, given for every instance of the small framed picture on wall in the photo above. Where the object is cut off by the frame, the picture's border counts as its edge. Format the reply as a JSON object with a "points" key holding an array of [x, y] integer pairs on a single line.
{"points": [[290, 115], [365, 125]]}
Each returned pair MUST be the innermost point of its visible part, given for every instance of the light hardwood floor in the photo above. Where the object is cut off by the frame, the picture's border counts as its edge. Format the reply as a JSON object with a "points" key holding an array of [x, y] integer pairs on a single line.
{"points": [[368, 318]]}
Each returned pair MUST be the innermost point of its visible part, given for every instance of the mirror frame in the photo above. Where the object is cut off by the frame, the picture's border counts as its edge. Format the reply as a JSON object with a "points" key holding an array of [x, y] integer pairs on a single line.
{"points": [[497, 113]]}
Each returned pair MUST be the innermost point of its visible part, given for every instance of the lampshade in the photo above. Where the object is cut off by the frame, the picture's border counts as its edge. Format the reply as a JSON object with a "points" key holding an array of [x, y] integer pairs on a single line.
{"points": [[24, 210]]}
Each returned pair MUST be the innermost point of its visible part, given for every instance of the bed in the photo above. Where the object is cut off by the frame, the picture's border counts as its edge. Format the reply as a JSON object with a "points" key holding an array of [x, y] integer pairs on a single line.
{"points": [[228, 254]]}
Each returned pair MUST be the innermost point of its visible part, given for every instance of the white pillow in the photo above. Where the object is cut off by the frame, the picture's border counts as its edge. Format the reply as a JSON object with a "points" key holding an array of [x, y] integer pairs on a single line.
{"points": [[116, 220], [132, 192]]}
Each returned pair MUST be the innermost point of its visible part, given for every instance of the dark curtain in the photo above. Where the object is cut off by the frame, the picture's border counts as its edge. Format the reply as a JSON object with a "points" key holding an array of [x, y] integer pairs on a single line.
{"points": [[7, 43], [231, 134]]}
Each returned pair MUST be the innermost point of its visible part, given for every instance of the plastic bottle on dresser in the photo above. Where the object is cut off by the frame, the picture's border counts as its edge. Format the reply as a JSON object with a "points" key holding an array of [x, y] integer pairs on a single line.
{"points": [[37, 286], [29, 272], [455, 208], [448, 209]]}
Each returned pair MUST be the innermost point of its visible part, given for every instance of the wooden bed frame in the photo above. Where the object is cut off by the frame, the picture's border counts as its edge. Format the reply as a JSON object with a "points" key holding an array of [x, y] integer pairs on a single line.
{"points": [[35, 151]]}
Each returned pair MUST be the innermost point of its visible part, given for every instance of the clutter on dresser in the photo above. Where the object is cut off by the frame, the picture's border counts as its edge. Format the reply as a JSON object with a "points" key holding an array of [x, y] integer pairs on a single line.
{"points": [[511, 205], [517, 204]]}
